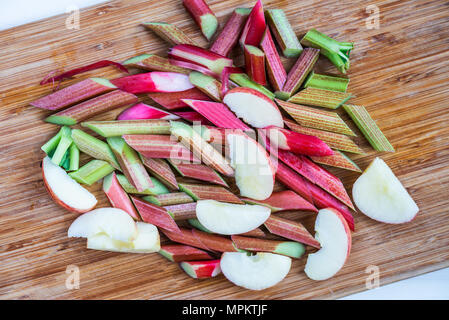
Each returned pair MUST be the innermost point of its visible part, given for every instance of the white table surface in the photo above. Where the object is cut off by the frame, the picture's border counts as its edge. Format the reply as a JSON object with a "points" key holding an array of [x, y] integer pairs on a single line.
{"points": [[433, 285]]}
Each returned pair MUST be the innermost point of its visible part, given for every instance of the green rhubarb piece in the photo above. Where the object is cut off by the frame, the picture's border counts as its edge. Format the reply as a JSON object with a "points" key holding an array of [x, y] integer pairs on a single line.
{"points": [[326, 82], [159, 187], [243, 80], [320, 98], [63, 145], [337, 52], [197, 224], [74, 157], [283, 32], [154, 62], [94, 147], [169, 199], [92, 171], [290, 248], [338, 160], [207, 84], [50, 146], [65, 162], [137, 59], [369, 128], [115, 128], [169, 32]]}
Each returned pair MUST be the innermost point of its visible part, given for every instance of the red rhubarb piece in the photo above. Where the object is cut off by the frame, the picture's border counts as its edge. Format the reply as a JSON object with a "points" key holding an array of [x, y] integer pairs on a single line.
{"points": [[255, 26], [214, 242], [203, 16], [255, 64], [156, 215], [284, 200], [143, 111], [199, 172], [172, 100], [201, 269], [193, 117], [154, 82], [179, 252], [275, 69], [117, 196]]}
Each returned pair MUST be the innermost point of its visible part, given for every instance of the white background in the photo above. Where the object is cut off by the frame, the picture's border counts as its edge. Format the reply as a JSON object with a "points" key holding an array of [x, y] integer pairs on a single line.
{"points": [[434, 285]]}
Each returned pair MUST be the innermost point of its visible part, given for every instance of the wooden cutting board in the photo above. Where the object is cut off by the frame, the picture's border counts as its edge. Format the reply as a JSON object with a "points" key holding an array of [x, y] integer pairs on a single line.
{"points": [[399, 72]]}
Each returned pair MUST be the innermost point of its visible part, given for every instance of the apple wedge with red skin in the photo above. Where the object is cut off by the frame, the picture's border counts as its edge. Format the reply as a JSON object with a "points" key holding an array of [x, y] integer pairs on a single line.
{"points": [[144, 111], [334, 236], [180, 252], [201, 269], [65, 191], [154, 214], [117, 196], [153, 82], [283, 201], [255, 108]]}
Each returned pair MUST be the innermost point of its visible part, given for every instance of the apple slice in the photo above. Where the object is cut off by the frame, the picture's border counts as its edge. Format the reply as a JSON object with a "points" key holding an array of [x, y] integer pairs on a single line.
{"points": [[253, 107], [334, 236], [255, 272], [112, 222], [65, 191], [230, 218], [379, 194], [146, 241], [254, 172]]}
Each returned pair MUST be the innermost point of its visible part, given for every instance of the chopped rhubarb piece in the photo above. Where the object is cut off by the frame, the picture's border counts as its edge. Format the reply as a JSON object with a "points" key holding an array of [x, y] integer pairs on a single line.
{"points": [[230, 34], [161, 170], [217, 113], [172, 100], [75, 93], [193, 117], [184, 236], [169, 32], [130, 163], [218, 136], [92, 107], [298, 73], [116, 128], [284, 200], [200, 148], [154, 82], [92, 171], [202, 57], [243, 80], [203, 16], [152, 62], [197, 225], [158, 188], [333, 140], [275, 70], [74, 157], [315, 118], [169, 199], [182, 211], [201, 269], [255, 64], [338, 160], [199, 172], [257, 233], [283, 32], [156, 215], [254, 26], [93, 66], [50, 146], [297, 142], [159, 147], [207, 84], [193, 67], [224, 78], [179, 252], [322, 81], [292, 230], [214, 242], [294, 181], [205, 192], [286, 248], [117, 196], [143, 111], [320, 98], [59, 155]]}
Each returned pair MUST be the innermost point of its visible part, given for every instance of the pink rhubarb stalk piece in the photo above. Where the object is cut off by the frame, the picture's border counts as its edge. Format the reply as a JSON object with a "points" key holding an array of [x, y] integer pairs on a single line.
{"points": [[275, 69], [75, 93], [169, 32], [199, 56], [297, 142], [292, 230], [192, 66], [284, 200], [184, 236], [214, 242], [143, 111], [199, 172], [201, 269], [217, 113], [173, 100], [159, 147], [182, 211], [257, 233], [205, 192], [154, 82], [255, 26], [229, 36], [224, 78], [193, 117], [162, 171], [153, 62], [156, 215], [180, 252], [203, 16], [255, 64], [117, 196]]}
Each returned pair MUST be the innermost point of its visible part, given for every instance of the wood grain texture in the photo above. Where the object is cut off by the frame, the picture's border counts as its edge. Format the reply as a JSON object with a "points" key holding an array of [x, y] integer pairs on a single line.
{"points": [[399, 72]]}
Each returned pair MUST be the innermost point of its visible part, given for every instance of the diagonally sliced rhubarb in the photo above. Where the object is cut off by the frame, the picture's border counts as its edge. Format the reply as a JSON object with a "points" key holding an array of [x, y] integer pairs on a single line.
{"points": [[224, 78], [182, 211], [162, 171], [320, 98], [286, 248], [172, 100], [193, 117], [143, 111], [153, 214], [204, 192], [169, 199], [92, 107], [255, 64], [201, 269], [117, 196], [255, 26], [179, 252], [203, 16], [75, 93], [169, 32], [338, 160], [153, 82], [199, 172], [158, 188], [207, 84], [284, 200], [275, 70], [327, 82], [243, 80], [152, 62], [184, 236], [92, 171], [214, 242], [116, 128]]}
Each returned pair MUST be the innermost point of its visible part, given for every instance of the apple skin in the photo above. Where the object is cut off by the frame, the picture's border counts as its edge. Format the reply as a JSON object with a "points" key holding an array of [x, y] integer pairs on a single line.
{"points": [[57, 200]]}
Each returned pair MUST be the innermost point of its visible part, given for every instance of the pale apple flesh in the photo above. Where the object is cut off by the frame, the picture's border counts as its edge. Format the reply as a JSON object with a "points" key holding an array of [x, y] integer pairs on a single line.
{"points": [[379, 194]]}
